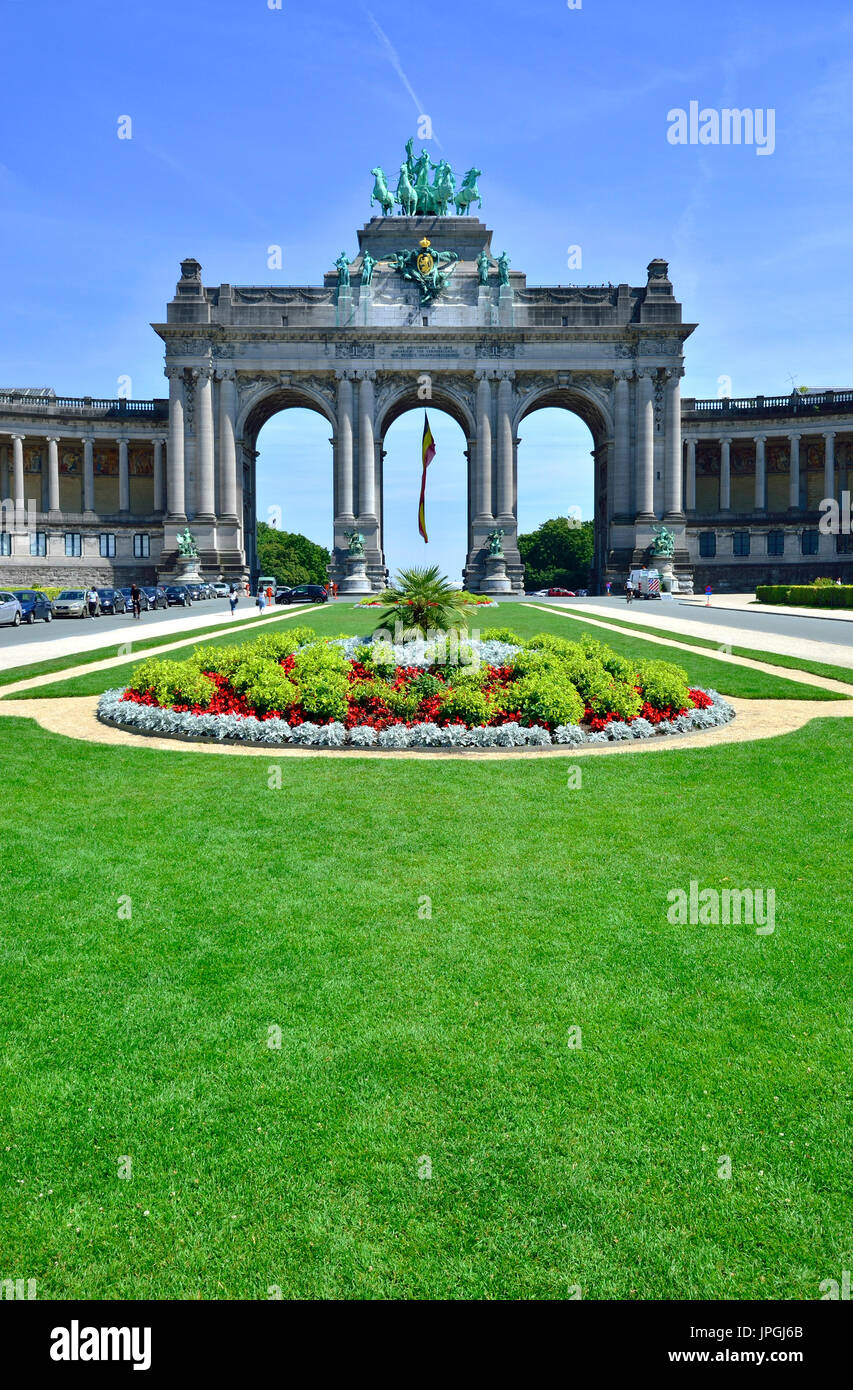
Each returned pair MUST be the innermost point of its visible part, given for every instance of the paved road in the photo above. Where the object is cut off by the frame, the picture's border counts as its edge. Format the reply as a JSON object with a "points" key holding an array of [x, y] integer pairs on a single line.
{"points": [[68, 636], [838, 631]]}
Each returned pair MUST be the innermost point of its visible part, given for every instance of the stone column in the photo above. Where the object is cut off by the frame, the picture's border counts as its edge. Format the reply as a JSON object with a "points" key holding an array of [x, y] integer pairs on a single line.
{"points": [[227, 443], [18, 469], [175, 482], [504, 506], [690, 491], [158, 475], [343, 453], [206, 496], [794, 473], [725, 474], [123, 477], [4, 473], [88, 474], [366, 448], [621, 444], [673, 500], [52, 473], [483, 454], [760, 473], [829, 463], [646, 445]]}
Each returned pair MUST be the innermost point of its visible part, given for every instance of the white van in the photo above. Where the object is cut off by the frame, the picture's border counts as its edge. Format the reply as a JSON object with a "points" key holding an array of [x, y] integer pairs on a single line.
{"points": [[646, 583]]}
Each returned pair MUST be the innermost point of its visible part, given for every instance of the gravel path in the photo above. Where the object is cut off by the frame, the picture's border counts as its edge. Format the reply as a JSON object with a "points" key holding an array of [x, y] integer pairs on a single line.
{"points": [[756, 719]]}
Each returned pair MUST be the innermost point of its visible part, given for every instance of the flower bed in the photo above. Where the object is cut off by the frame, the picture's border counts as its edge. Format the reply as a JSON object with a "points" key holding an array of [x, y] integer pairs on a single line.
{"points": [[295, 688]]}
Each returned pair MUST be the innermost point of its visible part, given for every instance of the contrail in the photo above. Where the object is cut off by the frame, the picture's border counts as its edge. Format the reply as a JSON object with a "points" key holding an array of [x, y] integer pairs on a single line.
{"points": [[394, 59]]}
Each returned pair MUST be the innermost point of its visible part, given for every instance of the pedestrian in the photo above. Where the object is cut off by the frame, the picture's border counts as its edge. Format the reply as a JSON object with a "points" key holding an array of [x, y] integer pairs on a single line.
{"points": [[262, 599], [607, 588], [233, 598], [136, 599], [93, 602]]}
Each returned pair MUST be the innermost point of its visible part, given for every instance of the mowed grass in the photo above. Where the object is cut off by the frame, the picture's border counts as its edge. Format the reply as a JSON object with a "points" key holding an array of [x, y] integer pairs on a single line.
{"points": [[424, 935], [523, 619]]}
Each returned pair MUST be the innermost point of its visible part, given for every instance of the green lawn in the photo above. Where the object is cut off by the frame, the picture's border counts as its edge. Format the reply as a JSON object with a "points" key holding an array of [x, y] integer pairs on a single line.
{"points": [[524, 620], [790, 663], [405, 1036]]}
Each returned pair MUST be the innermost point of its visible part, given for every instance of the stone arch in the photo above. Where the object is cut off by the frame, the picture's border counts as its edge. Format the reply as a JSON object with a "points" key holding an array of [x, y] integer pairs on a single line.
{"points": [[577, 399], [255, 408], [443, 397], [596, 414]]}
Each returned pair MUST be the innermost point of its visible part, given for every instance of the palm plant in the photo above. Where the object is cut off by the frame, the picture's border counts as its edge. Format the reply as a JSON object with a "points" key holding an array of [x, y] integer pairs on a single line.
{"points": [[423, 600]]}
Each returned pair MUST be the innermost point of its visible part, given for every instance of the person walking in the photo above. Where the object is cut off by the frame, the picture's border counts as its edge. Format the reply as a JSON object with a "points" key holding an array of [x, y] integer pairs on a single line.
{"points": [[93, 602], [607, 588], [136, 599], [233, 598], [262, 599]]}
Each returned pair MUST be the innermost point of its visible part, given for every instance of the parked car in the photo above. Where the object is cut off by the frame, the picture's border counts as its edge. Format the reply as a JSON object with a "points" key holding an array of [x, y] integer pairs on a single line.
{"points": [[180, 594], [71, 603], [34, 604], [156, 595], [144, 602], [220, 589], [302, 593], [112, 601], [196, 592], [10, 608]]}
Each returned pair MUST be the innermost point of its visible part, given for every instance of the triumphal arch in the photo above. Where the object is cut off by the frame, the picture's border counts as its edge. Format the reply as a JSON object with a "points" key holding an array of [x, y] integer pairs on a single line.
{"points": [[425, 312]]}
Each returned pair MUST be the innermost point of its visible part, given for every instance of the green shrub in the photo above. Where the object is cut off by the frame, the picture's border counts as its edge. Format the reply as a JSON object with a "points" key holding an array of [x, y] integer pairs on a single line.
{"points": [[268, 688], [173, 682], [824, 593], [664, 684], [223, 660], [323, 694], [320, 658], [548, 642], [427, 686], [547, 697], [403, 701], [623, 701], [531, 659], [301, 635], [467, 703], [500, 634], [264, 684], [360, 692], [275, 645]]}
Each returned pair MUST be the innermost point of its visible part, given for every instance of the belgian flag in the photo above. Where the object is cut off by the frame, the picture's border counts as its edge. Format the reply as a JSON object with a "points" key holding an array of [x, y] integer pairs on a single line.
{"points": [[427, 454]]}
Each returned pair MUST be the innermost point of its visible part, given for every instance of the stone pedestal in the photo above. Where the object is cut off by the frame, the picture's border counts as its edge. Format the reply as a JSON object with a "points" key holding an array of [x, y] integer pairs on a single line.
{"points": [[187, 570], [664, 569], [495, 580], [355, 581]]}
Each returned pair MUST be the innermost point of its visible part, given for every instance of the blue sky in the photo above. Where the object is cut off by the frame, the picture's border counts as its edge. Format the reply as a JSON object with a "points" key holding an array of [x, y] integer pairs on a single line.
{"points": [[254, 126]]}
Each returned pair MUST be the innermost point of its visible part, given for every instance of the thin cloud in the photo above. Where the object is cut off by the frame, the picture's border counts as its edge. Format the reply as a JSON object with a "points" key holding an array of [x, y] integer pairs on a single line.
{"points": [[394, 60]]}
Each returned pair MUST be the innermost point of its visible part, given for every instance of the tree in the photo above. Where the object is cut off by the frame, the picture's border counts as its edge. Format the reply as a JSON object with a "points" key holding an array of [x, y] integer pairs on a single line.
{"points": [[292, 558], [559, 553]]}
